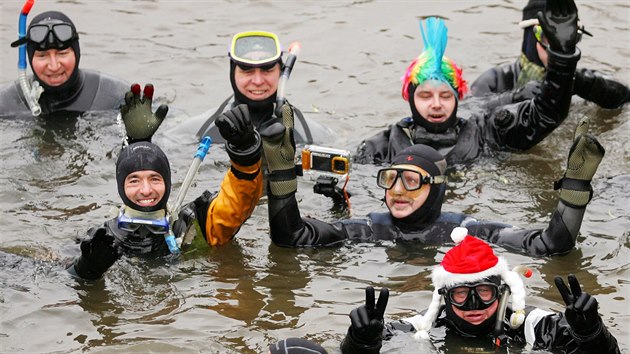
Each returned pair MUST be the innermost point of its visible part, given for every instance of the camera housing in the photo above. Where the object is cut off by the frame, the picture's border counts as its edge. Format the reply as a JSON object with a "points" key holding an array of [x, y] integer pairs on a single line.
{"points": [[324, 159]]}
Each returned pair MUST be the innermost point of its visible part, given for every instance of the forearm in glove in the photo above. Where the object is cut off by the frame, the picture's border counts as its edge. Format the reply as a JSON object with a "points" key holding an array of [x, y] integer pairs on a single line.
{"points": [[587, 328], [592, 86], [557, 87], [98, 254], [140, 122], [279, 150], [584, 157], [242, 142]]}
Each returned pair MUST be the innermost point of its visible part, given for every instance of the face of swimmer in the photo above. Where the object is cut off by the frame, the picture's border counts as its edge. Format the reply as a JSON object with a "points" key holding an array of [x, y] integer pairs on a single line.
{"points": [[399, 200], [257, 83], [145, 188], [435, 101]]}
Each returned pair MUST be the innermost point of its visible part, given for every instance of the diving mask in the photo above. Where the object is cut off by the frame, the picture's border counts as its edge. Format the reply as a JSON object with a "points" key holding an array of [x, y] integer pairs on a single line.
{"points": [[158, 226], [412, 180], [54, 35], [468, 297], [255, 49]]}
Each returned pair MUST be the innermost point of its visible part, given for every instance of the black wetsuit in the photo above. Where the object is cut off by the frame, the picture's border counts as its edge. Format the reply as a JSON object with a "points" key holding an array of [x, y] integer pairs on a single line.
{"points": [[288, 229], [589, 84], [543, 330], [518, 126], [93, 91]]}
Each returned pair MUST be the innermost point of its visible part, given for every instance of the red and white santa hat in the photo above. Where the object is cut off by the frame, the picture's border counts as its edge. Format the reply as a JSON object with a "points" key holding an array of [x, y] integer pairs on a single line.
{"points": [[470, 261]]}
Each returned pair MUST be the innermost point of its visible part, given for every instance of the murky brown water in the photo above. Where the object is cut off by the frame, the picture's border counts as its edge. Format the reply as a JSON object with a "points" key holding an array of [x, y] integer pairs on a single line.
{"points": [[57, 177]]}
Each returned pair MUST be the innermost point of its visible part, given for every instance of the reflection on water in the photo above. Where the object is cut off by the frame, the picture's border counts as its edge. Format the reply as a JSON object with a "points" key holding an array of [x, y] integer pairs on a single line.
{"points": [[57, 178]]}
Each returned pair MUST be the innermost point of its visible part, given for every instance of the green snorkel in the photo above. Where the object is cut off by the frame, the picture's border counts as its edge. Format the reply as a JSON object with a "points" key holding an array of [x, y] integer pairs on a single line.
{"points": [[202, 150], [31, 94], [294, 50]]}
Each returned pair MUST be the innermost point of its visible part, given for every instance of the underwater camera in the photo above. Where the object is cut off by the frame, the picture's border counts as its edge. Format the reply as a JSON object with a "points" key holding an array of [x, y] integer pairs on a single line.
{"points": [[326, 159], [327, 166]]}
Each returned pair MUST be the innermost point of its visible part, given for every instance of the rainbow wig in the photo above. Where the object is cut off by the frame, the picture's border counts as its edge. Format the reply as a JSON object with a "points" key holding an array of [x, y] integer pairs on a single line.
{"points": [[431, 64]]}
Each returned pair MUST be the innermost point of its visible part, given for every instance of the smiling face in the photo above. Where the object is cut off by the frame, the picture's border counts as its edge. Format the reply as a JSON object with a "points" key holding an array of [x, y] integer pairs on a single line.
{"points": [[400, 201], [145, 188], [435, 101], [257, 84], [54, 67], [476, 317]]}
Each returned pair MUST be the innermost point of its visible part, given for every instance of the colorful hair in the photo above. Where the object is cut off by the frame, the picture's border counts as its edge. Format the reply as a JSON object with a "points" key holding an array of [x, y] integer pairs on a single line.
{"points": [[431, 64]]}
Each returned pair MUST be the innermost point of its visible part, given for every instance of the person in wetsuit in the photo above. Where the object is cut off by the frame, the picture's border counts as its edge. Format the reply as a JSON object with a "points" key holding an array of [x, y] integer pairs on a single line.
{"points": [[52, 44], [510, 80], [474, 284], [414, 191], [255, 68], [143, 177], [434, 87]]}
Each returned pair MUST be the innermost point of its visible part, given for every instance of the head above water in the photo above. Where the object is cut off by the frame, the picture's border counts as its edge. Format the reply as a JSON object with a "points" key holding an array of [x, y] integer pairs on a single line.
{"points": [[468, 280], [432, 66], [528, 21], [139, 158], [51, 33], [427, 167], [255, 65]]}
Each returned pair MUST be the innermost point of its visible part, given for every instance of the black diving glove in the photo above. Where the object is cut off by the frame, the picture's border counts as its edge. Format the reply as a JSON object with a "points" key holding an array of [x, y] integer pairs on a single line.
{"points": [[279, 148], [242, 142], [559, 24], [140, 122], [367, 320], [98, 254], [593, 86], [584, 157], [581, 312]]}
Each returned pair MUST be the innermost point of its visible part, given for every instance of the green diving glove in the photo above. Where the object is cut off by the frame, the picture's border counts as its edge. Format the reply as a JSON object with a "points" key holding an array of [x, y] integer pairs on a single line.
{"points": [[584, 157], [140, 122], [279, 150]]}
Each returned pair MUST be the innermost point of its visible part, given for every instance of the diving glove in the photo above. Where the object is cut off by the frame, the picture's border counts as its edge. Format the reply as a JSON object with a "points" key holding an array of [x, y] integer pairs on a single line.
{"points": [[98, 254], [366, 329], [559, 23], [279, 150], [140, 122], [581, 311], [242, 142], [584, 157]]}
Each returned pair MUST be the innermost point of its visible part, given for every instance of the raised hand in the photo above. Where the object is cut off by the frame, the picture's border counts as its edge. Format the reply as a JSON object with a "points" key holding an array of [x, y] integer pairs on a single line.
{"points": [[367, 320], [98, 254], [140, 121], [279, 149], [559, 23], [584, 157], [581, 312], [236, 127]]}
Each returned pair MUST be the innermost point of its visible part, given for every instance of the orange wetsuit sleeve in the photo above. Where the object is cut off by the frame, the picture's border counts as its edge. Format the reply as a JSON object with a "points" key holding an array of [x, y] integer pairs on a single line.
{"points": [[239, 194]]}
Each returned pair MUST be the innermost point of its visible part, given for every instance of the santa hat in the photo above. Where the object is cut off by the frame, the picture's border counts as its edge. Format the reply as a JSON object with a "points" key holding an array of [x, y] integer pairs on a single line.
{"points": [[470, 261]]}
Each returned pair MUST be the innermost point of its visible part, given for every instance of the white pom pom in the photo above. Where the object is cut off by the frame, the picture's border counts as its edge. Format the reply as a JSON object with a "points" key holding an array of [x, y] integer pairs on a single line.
{"points": [[517, 319], [458, 234]]}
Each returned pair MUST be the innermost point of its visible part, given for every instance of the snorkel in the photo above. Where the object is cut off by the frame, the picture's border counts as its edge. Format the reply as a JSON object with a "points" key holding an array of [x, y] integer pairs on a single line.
{"points": [[294, 50], [500, 338], [31, 94], [202, 150]]}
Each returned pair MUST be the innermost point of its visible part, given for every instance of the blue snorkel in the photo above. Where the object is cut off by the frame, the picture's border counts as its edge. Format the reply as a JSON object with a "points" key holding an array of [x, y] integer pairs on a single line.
{"points": [[202, 150], [31, 94]]}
